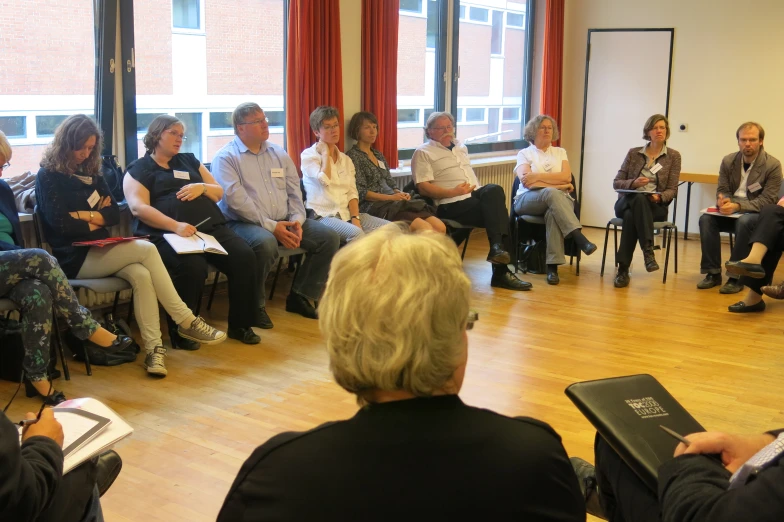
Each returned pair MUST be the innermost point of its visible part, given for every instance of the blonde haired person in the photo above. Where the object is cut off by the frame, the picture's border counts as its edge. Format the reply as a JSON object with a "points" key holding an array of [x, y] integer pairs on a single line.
{"points": [[414, 447]]}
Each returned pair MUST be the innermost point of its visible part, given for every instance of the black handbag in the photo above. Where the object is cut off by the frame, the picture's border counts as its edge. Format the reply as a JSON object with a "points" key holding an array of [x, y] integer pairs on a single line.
{"points": [[11, 350], [533, 258]]}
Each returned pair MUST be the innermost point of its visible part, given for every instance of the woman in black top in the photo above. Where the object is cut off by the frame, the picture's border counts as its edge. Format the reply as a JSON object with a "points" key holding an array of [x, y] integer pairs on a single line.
{"points": [[169, 191], [75, 204], [377, 193]]}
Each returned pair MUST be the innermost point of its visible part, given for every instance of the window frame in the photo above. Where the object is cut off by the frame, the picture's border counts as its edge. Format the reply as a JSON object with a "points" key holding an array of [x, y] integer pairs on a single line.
{"points": [[201, 30]]}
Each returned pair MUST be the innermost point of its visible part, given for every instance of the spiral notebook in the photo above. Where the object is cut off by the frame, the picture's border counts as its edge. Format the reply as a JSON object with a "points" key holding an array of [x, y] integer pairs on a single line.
{"points": [[198, 243]]}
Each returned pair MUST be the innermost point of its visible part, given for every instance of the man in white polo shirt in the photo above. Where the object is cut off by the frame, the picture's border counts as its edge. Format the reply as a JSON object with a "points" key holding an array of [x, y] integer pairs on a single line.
{"points": [[442, 171]]}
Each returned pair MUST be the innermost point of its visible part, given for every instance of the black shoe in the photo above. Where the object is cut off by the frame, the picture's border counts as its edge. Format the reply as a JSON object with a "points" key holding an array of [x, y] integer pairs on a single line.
{"points": [[552, 275], [299, 305], [650, 260], [508, 280], [742, 308], [732, 286], [245, 335], [121, 343], [108, 466], [586, 476], [739, 268], [53, 399], [263, 320], [54, 374], [588, 248], [710, 281], [498, 255], [185, 344], [621, 278]]}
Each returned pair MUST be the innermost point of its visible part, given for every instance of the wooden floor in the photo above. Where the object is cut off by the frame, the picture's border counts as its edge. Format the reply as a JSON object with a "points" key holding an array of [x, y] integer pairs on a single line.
{"points": [[194, 429]]}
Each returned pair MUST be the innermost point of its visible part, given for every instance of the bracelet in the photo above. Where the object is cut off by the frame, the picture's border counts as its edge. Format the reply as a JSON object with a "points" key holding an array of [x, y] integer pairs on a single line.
{"points": [[205, 189], [91, 217]]}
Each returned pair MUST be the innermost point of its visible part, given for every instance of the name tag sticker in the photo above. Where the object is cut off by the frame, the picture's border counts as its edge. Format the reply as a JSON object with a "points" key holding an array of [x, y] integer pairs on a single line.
{"points": [[381, 164], [755, 187], [93, 199], [656, 168], [181, 174], [277, 173]]}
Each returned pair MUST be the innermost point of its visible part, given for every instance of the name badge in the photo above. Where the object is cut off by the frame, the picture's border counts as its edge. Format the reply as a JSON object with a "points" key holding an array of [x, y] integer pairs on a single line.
{"points": [[277, 173], [93, 199], [181, 174], [754, 188], [547, 166], [656, 168], [382, 165]]}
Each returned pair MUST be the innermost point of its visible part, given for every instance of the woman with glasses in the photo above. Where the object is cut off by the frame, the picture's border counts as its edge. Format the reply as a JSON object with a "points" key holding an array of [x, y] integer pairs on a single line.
{"points": [[378, 195], [329, 179], [75, 204], [403, 354], [171, 192]]}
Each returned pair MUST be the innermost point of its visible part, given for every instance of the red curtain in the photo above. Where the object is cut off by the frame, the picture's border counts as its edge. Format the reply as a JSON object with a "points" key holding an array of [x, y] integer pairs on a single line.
{"points": [[553, 60], [380, 20], [314, 74]]}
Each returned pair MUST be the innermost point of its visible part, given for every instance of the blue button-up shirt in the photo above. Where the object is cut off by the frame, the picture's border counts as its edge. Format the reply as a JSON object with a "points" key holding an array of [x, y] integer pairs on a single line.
{"points": [[250, 193]]}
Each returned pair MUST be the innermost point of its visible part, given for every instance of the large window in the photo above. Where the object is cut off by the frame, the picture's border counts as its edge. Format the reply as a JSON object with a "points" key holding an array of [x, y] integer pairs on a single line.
{"points": [[47, 72], [198, 59], [483, 77]]}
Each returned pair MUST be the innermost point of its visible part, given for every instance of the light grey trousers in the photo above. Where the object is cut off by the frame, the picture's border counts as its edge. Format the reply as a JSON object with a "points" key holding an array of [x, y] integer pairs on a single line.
{"points": [[557, 208]]}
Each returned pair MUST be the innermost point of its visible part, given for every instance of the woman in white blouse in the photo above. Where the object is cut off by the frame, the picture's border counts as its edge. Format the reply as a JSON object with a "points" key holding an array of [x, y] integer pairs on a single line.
{"points": [[545, 184], [328, 176]]}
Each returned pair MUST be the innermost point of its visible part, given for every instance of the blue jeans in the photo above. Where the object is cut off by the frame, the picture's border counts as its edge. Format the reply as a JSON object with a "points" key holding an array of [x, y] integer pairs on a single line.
{"points": [[319, 241]]}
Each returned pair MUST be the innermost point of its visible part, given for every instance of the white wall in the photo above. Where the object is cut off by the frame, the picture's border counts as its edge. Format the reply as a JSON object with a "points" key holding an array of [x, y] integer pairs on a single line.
{"points": [[728, 67]]}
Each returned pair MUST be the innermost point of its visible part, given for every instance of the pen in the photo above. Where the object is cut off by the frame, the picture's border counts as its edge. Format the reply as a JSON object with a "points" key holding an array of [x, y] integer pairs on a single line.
{"points": [[671, 433], [200, 224], [27, 422]]}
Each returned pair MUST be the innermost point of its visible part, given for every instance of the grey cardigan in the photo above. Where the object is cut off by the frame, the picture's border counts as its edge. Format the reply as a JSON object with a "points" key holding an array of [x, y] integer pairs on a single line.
{"points": [[766, 171], [667, 177]]}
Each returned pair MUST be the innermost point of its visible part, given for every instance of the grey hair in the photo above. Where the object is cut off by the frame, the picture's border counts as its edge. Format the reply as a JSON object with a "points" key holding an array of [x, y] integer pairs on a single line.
{"points": [[532, 127], [431, 120], [322, 114], [5, 147], [242, 111], [394, 311]]}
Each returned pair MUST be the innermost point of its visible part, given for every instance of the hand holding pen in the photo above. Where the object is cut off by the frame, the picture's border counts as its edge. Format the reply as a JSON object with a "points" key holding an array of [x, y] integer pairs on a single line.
{"points": [[44, 425]]}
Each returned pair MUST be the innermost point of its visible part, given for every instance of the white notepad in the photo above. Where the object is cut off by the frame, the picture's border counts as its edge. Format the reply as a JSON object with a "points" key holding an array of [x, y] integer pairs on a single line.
{"points": [[198, 243], [713, 211]]}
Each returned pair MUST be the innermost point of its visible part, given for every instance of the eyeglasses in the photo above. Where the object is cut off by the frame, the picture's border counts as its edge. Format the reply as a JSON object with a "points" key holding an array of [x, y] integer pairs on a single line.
{"points": [[331, 127], [6, 165], [471, 319], [183, 137], [447, 128], [262, 121]]}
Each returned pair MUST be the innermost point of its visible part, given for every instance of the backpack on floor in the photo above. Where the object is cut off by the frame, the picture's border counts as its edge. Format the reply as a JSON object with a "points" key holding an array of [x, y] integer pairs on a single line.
{"points": [[533, 258], [12, 350], [113, 175], [100, 357]]}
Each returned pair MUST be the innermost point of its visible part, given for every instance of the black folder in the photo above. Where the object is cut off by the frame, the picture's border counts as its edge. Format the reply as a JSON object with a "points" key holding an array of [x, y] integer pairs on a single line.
{"points": [[627, 412]]}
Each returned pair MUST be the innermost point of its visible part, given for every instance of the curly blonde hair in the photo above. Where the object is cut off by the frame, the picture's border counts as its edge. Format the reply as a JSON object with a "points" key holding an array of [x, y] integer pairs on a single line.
{"points": [[70, 136]]}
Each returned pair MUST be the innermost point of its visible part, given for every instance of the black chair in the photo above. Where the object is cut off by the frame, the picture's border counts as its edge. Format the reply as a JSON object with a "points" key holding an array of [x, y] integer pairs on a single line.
{"points": [[528, 230]]}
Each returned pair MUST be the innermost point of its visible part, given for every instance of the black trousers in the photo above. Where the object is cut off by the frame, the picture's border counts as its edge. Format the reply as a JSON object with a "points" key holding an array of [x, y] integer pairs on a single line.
{"points": [[712, 226], [638, 214], [189, 272], [624, 497], [484, 209], [770, 232]]}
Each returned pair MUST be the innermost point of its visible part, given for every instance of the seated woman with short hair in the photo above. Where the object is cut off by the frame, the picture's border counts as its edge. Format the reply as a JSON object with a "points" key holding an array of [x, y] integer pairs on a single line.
{"points": [[378, 195], [414, 449]]}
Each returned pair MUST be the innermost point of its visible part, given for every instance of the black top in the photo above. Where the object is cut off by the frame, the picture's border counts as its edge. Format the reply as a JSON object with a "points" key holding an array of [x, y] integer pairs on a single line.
{"points": [[418, 459], [163, 186], [8, 209], [370, 177], [57, 195]]}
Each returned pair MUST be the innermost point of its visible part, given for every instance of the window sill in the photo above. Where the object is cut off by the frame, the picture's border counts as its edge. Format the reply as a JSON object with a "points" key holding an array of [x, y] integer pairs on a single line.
{"points": [[477, 160]]}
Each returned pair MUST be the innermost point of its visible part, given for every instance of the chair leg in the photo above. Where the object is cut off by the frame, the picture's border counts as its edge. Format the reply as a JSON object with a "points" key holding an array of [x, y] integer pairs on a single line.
{"points": [[465, 246], [615, 232], [115, 303], [130, 311], [58, 341], [212, 291], [676, 249], [667, 233], [579, 255], [275, 279], [732, 245], [604, 252]]}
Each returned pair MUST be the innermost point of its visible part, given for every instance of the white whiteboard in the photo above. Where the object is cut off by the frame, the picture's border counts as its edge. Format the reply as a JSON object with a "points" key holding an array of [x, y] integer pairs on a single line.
{"points": [[628, 81]]}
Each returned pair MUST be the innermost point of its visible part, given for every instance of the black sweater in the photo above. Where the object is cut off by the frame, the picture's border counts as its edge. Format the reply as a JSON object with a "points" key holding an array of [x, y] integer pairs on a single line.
{"points": [[419, 459], [57, 195]]}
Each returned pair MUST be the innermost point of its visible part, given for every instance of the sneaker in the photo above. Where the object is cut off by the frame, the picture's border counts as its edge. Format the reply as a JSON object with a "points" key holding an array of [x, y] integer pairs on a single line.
{"points": [[245, 335], [154, 362], [621, 278], [650, 260], [732, 286], [586, 475], [201, 332]]}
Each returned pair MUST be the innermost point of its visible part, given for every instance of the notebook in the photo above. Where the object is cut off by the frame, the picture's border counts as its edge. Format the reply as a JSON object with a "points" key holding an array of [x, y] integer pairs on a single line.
{"points": [[198, 243], [108, 241], [632, 191], [627, 412], [713, 211]]}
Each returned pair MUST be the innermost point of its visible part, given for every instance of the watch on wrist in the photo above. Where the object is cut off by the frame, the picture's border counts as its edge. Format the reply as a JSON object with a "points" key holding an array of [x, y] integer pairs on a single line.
{"points": [[355, 217]]}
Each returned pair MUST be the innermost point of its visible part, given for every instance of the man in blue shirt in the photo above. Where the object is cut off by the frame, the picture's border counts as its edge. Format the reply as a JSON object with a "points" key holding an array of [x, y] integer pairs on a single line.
{"points": [[263, 204]]}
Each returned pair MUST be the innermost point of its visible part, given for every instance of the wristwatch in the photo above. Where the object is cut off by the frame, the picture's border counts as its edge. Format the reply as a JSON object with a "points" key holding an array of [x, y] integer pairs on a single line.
{"points": [[356, 217]]}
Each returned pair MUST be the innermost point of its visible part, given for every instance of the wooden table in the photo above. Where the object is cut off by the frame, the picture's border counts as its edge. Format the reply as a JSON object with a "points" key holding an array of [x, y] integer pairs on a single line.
{"points": [[690, 179]]}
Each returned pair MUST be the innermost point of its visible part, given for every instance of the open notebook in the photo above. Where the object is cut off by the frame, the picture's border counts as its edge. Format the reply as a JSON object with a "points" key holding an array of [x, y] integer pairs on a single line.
{"points": [[198, 243]]}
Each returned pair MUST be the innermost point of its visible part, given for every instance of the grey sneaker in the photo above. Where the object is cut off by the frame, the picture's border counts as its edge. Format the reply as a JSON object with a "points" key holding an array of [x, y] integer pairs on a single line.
{"points": [[201, 332], [154, 362]]}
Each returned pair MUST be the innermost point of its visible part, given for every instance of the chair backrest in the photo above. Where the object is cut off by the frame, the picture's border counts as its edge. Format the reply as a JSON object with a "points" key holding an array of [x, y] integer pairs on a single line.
{"points": [[40, 237]]}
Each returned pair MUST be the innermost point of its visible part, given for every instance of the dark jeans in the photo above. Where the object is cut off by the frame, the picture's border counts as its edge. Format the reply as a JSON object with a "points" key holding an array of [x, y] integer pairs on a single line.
{"points": [[638, 214], [189, 272], [485, 208], [76, 499], [770, 232], [712, 226], [624, 497]]}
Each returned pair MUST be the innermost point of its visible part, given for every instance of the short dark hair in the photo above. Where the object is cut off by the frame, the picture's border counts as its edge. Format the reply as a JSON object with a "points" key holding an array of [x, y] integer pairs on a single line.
{"points": [[750, 124], [242, 111], [651, 122], [357, 120], [322, 113], [157, 127]]}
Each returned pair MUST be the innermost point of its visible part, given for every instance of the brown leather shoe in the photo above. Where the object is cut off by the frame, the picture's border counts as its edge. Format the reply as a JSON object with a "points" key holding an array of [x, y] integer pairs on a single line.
{"points": [[774, 291]]}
